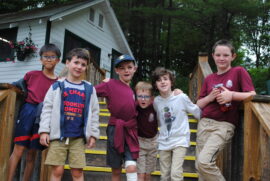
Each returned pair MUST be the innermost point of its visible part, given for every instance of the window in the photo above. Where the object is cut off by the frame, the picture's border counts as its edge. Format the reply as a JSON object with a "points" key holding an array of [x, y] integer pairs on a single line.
{"points": [[73, 41], [100, 22], [6, 35], [115, 54], [92, 15]]}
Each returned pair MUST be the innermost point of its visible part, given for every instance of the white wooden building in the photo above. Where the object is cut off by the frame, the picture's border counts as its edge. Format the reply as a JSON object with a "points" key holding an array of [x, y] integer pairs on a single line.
{"points": [[90, 24]]}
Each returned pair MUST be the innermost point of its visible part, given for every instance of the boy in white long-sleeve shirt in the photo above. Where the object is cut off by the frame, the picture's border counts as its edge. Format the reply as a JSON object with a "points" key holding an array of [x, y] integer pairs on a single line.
{"points": [[174, 134]]}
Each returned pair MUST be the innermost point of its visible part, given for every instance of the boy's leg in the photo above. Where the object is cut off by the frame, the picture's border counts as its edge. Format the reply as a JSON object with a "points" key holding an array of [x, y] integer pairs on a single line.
{"points": [[77, 174], [57, 172], [30, 162], [141, 176], [14, 160], [165, 161], [178, 157], [147, 177], [131, 170], [151, 158], [141, 161], [221, 134], [116, 174], [113, 158]]}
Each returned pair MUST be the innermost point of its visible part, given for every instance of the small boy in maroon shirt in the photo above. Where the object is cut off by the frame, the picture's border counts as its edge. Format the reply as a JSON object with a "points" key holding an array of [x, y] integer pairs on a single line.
{"points": [[147, 131]]}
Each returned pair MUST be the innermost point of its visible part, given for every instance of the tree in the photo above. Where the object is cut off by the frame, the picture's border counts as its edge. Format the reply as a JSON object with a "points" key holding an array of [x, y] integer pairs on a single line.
{"points": [[256, 33]]}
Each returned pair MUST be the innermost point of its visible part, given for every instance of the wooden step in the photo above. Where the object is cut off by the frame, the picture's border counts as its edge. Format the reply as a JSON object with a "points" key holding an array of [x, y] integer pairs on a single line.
{"points": [[108, 169]]}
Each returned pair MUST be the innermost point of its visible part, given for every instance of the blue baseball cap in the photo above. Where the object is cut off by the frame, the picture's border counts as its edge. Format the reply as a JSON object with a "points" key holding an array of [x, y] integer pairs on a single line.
{"points": [[123, 58]]}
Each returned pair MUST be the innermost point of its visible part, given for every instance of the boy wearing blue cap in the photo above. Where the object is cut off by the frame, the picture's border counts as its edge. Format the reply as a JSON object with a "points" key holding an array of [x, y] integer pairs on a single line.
{"points": [[122, 142]]}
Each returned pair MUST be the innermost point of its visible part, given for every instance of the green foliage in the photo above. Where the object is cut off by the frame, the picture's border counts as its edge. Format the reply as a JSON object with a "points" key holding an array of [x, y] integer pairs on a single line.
{"points": [[259, 77], [7, 6]]}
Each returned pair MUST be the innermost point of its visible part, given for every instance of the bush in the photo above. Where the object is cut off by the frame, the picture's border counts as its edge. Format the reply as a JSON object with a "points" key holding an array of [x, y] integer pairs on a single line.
{"points": [[259, 77]]}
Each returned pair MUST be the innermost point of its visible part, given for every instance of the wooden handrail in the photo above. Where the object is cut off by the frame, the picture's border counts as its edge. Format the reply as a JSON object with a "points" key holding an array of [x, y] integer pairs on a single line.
{"points": [[257, 139], [8, 94], [200, 72]]}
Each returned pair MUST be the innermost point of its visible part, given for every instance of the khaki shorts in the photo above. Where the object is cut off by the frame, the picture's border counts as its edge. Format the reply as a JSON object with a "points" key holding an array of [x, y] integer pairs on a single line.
{"points": [[59, 151], [146, 163]]}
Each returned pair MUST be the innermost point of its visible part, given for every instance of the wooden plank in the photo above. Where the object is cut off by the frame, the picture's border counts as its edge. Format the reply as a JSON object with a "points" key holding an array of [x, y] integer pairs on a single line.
{"points": [[204, 66], [45, 170], [251, 144], [3, 94], [262, 112], [10, 86], [265, 155], [261, 98], [6, 131]]}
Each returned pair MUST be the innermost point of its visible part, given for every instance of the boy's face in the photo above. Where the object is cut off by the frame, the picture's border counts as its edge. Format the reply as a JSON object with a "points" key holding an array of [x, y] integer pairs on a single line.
{"points": [[49, 60], [144, 98], [76, 67], [223, 58], [164, 84], [126, 71]]}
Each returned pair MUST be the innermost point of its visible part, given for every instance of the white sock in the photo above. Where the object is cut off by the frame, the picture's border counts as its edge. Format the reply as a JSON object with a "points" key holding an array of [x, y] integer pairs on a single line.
{"points": [[132, 176]]}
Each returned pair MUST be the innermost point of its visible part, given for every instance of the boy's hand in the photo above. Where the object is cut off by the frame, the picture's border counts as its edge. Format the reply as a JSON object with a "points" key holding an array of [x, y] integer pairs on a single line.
{"points": [[44, 139], [91, 142], [225, 96], [213, 94], [106, 80], [177, 92]]}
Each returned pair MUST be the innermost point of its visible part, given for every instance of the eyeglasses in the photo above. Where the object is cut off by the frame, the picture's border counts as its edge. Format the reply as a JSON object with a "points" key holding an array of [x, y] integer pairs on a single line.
{"points": [[143, 97], [49, 57]]}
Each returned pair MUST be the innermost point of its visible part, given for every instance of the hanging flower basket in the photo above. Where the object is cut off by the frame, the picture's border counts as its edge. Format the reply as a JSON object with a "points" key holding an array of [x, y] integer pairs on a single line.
{"points": [[24, 48], [20, 55]]}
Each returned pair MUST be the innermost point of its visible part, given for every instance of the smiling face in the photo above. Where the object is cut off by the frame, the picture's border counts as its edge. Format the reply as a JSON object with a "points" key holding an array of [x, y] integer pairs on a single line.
{"points": [[76, 67], [223, 57], [164, 84], [144, 98], [126, 71], [49, 59]]}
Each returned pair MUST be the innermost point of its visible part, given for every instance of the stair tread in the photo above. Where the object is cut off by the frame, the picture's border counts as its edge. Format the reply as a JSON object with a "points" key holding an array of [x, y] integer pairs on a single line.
{"points": [[108, 169], [103, 152]]}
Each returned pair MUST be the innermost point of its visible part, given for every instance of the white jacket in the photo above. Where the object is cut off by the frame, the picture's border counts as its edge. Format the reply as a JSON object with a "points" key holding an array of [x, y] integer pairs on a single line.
{"points": [[51, 117]]}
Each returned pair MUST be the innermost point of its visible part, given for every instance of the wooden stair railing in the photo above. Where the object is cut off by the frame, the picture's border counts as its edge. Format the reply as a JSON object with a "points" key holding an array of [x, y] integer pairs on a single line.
{"points": [[197, 76], [8, 94], [257, 139]]}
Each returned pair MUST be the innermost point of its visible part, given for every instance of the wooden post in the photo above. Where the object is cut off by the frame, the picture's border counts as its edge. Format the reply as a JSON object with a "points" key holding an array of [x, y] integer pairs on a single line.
{"points": [[265, 155], [7, 108], [251, 145], [45, 170]]}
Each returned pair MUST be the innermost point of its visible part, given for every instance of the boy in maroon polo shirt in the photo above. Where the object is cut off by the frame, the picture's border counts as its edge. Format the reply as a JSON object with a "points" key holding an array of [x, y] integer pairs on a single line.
{"points": [[122, 128], [26, 133], [147, 131], [220, 98]]}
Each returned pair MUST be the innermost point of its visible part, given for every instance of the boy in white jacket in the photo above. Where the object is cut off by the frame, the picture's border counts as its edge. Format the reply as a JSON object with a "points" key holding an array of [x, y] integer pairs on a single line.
{"points": [[69, 117]]}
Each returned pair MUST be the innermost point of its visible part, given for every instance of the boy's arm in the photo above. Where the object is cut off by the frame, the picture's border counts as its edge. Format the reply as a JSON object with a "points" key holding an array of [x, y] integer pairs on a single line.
{"points": [[45, 118], [44, 139], [94, 132], [192, 108], [209, 98], [102, 89], [91, 143], [228, 96]]}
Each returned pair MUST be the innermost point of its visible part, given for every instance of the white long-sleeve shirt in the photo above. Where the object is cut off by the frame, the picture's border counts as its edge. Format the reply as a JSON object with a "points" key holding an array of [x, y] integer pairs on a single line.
{"points": [[173, 120]]}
